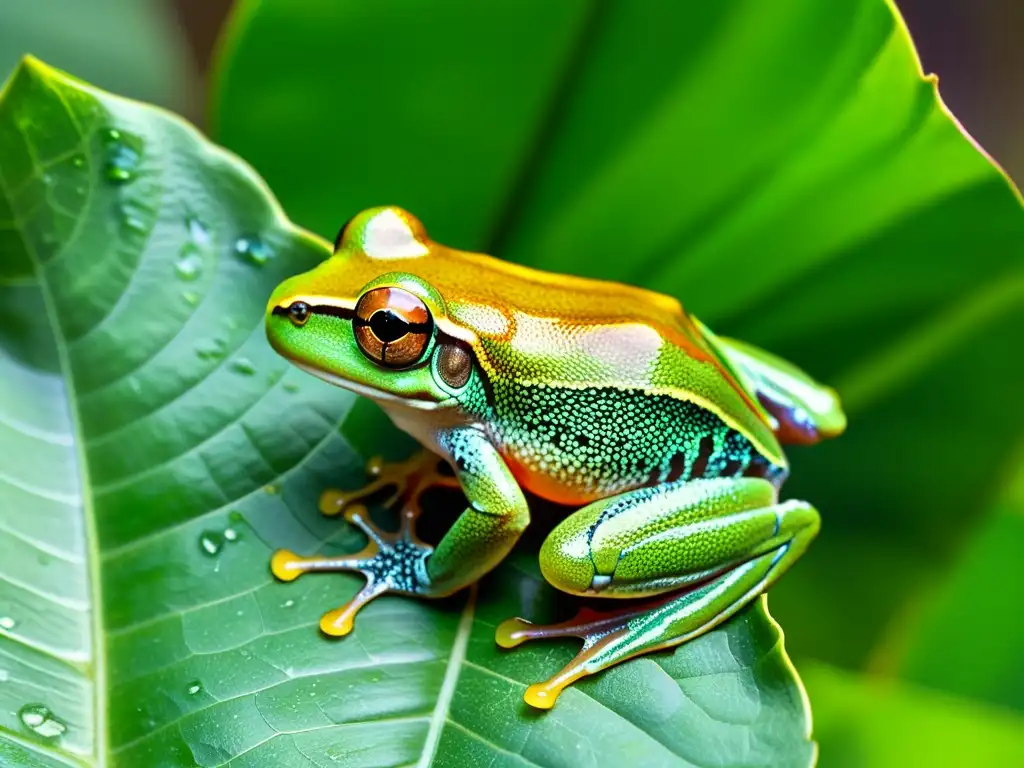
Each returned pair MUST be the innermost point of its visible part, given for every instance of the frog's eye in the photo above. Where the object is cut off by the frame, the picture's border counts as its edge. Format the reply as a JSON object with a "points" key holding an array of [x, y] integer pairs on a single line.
{"points": [[392, 326]]}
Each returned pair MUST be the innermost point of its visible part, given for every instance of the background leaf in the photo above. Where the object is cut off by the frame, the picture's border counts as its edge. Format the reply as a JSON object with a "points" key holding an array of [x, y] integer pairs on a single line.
{"points": [[890, 724], [966, 637], [156, 451], [787, 172]]}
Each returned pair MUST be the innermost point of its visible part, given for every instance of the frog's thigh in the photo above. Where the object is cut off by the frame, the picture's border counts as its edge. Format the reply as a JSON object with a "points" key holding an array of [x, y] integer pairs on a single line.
{"points": [[713, 545], [660, 539]]}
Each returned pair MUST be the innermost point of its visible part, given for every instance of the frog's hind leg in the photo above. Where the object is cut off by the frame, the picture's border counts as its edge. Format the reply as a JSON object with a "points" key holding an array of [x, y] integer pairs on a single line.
{"points": [[703, 549], [390, 559]]}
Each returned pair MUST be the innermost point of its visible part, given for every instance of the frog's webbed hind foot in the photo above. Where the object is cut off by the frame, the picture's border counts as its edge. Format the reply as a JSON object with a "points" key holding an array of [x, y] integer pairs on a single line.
{"points": [[391, 562], [597, 630]]}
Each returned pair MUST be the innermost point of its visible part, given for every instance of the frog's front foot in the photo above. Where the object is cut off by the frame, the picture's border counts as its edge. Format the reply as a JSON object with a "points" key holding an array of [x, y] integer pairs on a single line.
{"points": [[391, 562]]}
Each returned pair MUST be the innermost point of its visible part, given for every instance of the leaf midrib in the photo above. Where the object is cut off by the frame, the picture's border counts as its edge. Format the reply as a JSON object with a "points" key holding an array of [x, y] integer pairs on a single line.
{"points": [[451, 678]]}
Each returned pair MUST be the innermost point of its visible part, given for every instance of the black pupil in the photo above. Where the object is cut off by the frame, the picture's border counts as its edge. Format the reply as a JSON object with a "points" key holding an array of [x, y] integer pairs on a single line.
{"points": [[299, 311], [387, 326]]}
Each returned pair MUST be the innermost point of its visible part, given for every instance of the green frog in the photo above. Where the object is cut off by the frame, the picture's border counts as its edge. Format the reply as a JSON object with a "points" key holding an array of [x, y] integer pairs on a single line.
{"points": [[661, 439]]}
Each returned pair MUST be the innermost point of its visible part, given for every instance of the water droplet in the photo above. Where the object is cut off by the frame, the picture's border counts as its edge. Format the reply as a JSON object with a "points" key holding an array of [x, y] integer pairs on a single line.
{"points": [[190, 262], [41, 721], [211, 542], [194, 688], [78, 161], [197, 231], [236, 517], [124, 153], [47, 179], [134, 216], [272, 489], [8, 623], [288, 603], [291, 386], [253, 250], [230, 534], [244, 366], [210, 349], [4, 675], [190, 297]]}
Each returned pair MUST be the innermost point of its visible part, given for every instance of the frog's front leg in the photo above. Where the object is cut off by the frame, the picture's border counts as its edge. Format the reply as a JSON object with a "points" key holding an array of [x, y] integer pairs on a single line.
{"points": [[708, 547], [399, 562]]}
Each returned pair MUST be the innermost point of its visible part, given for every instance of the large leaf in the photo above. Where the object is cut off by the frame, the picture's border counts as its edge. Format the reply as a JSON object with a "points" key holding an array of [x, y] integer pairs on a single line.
{"points": [[153, 452], [783, 168]]}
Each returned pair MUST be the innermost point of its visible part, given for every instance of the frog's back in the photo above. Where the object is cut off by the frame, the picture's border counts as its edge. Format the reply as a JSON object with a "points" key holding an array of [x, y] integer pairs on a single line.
{"points": [[600, 387]]}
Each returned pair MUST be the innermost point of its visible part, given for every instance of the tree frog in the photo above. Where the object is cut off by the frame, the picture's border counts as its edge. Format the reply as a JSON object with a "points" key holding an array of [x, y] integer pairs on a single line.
{"points": [[610, 400]]}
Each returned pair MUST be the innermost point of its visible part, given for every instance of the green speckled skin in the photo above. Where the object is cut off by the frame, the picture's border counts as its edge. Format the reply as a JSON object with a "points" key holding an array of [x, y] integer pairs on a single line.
{"points": [[610, 399]]}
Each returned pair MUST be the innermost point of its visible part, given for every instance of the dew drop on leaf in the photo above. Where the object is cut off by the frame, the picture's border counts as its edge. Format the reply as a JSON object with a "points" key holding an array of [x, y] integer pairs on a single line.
{"points": [[244, 366], [194, 688], [197, 231], [291, 386], [253, 250], [231, 534], [190, 262], [210, 349], [78, 161], [6, 622], [133, 217], [272, 489], [41, 721], [190, 297], [236, 517], [211, 543], [288, 603], [124, 153]]}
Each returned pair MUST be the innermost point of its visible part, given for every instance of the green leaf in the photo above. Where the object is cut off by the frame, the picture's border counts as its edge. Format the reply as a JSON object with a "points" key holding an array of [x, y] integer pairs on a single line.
{"points": [[155, 451], [785, 170], [869, 722]]}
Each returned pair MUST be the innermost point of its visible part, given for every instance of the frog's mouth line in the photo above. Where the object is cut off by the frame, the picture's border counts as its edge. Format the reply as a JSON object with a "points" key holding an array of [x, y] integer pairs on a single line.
{"points": [[368, 391]]}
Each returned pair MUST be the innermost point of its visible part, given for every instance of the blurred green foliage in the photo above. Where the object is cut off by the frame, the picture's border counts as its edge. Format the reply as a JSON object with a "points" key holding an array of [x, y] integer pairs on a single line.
{"points": [[789, 175], [129, 47]]}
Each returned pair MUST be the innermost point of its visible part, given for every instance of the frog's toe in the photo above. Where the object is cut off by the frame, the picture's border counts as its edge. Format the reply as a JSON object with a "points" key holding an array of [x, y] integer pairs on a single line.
{"points": [[339, 622]]}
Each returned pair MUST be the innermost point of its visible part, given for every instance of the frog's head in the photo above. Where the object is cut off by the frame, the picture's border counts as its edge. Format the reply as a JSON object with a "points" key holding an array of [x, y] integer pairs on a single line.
{"points": [[365, 320]]}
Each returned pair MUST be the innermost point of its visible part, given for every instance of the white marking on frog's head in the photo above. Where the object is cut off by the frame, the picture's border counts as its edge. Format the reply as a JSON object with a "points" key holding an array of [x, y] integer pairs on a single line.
{"points": [[389, 235]]}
